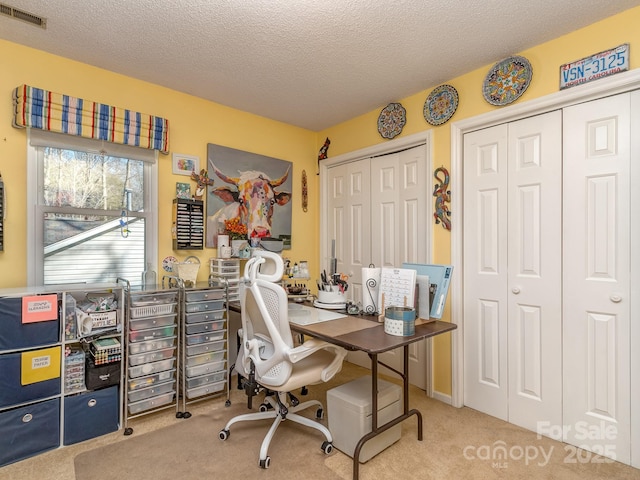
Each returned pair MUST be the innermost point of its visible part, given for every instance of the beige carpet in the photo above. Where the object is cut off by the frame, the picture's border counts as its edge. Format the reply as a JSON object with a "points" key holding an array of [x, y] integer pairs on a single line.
{"points": [[458, 444]]}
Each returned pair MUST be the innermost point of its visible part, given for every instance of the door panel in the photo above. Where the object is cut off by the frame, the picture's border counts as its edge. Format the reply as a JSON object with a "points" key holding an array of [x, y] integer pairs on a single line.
{"points": [[512, 270], [535, 270], [386, 221], [596, 349], [485, 271]]}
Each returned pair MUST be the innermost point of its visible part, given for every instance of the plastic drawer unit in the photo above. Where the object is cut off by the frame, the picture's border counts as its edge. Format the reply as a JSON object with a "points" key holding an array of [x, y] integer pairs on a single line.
{"points": [[151, 368], [143, 382], [14, 334], [349, 412], [153, 391], [91, 414], [23, 378], [203, 327], [151, 345], [197, 339], [152, 322], [153, 402], [29, 430], [205, 389], [154, 356], [204, 316], [201, 348]]}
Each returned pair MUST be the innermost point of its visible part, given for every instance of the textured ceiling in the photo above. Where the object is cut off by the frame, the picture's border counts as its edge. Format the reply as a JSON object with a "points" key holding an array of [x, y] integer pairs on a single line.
{"points": [[310, 63]]}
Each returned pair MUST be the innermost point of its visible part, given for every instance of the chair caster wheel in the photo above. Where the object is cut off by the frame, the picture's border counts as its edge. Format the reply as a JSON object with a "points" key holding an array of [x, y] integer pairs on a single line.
{"points": [[186, 415], [227, 403], [179, 414], [128, 431], [265, 463], [327, 447], [320, 413], [224, 434], [263, 407]]}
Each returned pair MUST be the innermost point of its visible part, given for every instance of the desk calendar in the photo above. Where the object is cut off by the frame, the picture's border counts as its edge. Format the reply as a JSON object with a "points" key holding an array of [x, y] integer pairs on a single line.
{"points": [[397, 288]]}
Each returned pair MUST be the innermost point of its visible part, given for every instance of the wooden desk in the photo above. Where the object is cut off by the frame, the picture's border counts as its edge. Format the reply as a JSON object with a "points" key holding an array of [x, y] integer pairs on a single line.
{"points": [[368, 335]]}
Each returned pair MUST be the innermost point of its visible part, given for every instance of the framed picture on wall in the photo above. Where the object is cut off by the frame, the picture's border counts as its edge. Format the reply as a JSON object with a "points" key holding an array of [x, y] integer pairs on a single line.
{"points": [[250, 189], [185, 164]]}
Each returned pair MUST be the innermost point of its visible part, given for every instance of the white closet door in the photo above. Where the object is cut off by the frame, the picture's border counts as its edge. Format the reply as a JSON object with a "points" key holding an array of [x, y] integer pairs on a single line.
{"points": [[535, 271], [596, 344], [379, 213], [398, 230], [485, 271], [512, 270], [350, 220]]}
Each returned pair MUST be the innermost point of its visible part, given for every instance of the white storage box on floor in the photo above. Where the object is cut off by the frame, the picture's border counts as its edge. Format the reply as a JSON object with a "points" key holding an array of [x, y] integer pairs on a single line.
{"points": [[349, 415]]}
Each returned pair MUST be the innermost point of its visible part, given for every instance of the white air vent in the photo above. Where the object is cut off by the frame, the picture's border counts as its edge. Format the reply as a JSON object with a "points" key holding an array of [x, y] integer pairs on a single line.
{"points": [[22, 15]]}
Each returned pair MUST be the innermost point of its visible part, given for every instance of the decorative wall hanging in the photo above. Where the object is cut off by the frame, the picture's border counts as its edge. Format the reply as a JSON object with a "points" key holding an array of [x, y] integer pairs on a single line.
{"points": [[185, 164], [507, 80], [443, 196], [440, 105], [256, 190], [305, 192], [202, 182], [322, 154], [392, 120], [595, 67], [38, 108]]}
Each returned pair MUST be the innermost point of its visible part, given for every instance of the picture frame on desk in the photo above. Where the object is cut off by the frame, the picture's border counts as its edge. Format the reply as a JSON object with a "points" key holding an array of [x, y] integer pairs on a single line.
{"points": [[185, 164]]}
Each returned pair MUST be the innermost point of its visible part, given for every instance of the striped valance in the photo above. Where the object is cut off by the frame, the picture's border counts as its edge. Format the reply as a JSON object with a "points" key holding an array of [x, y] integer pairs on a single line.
{"points": [[37, 108]]}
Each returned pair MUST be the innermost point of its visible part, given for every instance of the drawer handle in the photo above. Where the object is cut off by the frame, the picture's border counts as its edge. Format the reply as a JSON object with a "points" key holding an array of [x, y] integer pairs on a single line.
{"points": [[27, 418], [92, 403]]}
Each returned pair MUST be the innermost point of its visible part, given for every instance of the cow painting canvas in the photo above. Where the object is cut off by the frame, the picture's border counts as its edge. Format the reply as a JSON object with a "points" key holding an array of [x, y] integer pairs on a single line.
{"points": [[253, 188]]}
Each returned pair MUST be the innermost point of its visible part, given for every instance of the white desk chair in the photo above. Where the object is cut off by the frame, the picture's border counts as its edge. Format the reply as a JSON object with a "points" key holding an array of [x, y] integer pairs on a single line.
{"points": [[268, 352]]}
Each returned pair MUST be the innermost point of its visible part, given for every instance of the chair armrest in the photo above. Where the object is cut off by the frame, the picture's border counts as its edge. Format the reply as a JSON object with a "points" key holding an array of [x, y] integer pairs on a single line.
{"points": [[313, 345]]}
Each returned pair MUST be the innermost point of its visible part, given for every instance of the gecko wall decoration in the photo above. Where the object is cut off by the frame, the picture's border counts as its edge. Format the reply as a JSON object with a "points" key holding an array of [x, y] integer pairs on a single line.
{"points": [[443, 196]]}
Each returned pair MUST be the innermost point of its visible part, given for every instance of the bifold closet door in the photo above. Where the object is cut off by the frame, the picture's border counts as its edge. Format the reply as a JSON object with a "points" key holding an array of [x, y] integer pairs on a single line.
{"points": [[596, 345], [349, 205], [513, 270]]}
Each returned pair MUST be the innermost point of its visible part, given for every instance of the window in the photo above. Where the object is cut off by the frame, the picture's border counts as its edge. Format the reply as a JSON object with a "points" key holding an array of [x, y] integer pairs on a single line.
{"points": [[94, 210]]}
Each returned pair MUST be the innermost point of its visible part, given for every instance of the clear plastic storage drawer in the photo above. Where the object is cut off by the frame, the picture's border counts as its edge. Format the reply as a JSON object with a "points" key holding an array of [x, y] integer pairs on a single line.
{"points": [[152, 322], [158, 389], [152, 333], [151, 345], [206, 348], [150, 368], [143, 382], [205, 369], [205, 358], [153, 402], [199, 338], [154, 356]]}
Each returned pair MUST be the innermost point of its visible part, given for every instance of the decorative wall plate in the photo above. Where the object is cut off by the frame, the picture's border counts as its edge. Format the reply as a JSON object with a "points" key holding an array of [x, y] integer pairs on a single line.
{"points": [[167, 263], [440, 105], [507, 80], [391, 120]]}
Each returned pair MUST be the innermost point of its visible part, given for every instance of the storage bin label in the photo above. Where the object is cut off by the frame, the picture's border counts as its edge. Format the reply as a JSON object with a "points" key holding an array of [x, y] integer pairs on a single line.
{"points": [[39, 308], [40, 365]]}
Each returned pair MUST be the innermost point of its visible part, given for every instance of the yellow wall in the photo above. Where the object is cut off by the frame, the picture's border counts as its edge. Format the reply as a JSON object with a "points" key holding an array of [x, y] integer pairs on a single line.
{"points": [[545, 61], [195, 122]]}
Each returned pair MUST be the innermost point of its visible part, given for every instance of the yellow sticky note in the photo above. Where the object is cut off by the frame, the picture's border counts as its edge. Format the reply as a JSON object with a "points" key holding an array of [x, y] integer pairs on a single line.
{"points": [[40, 365]]}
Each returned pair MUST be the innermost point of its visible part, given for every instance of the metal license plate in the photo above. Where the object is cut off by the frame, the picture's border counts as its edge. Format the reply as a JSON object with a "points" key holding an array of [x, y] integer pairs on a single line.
{"points": [[597, 66]]}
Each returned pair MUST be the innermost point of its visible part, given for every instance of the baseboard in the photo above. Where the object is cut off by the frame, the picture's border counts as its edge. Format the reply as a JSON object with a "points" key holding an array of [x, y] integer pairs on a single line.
{"points": [[443, 397]]}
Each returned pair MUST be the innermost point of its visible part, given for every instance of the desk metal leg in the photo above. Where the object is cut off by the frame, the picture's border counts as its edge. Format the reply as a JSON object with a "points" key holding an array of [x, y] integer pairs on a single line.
{"points": [[375, 430]]}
